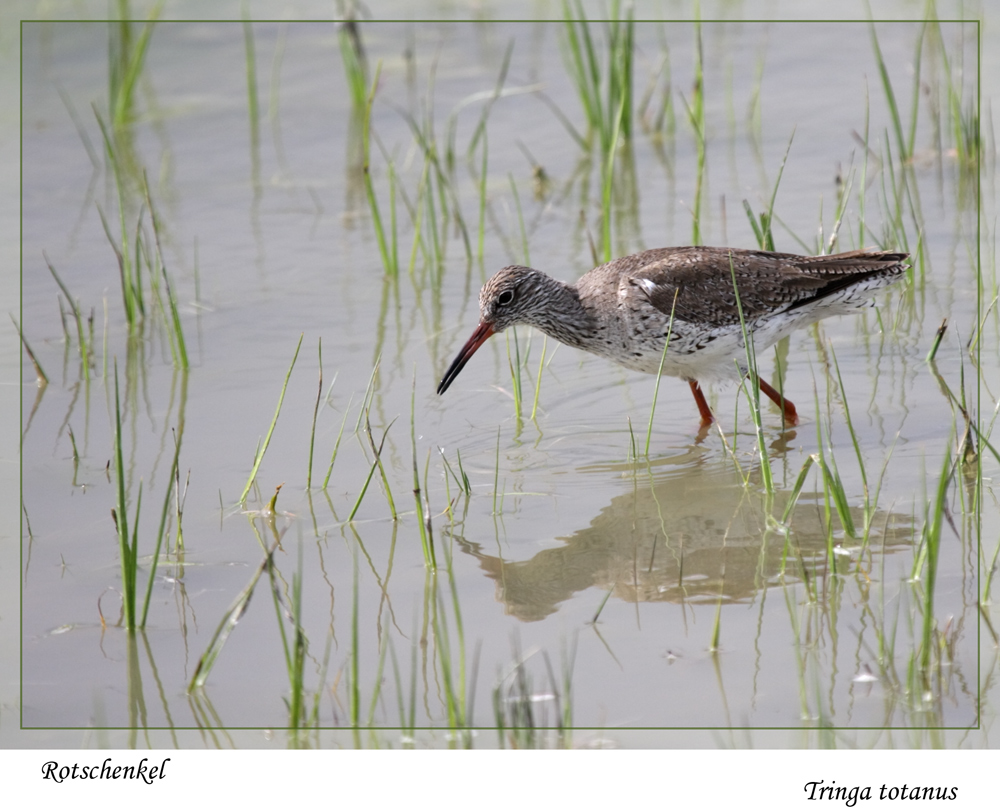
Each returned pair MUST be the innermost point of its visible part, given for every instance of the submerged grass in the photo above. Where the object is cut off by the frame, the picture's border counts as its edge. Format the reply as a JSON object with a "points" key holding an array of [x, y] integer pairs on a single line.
{"points": [[458, 690], [526, 718], [227, 624], [295, 650]]}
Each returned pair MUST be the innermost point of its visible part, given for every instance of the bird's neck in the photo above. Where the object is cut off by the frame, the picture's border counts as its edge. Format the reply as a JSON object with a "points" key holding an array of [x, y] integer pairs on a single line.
{"points": [[564, 318]]}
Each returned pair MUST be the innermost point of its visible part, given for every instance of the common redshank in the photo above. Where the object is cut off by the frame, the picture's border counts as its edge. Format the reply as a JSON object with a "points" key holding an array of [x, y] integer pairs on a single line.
{"points": [[624, 310]]}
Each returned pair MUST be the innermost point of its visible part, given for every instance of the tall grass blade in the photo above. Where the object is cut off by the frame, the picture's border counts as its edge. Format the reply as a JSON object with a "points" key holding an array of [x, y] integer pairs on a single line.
{"points": [[126, 551], [259, 456], [538, 379], [253, 103], [426, 541], [312, 430], [375, 465], [515, 370], [932, 543], [659, 374], [336, 445], [890, 97], [126, 64], [378, 461], [161, 532], [389, 254], [753, 393], [174, 327]]}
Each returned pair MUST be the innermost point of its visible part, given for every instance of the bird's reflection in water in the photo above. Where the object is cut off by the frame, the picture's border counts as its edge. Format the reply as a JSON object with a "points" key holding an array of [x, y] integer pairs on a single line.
{"points": [[697, 535]]}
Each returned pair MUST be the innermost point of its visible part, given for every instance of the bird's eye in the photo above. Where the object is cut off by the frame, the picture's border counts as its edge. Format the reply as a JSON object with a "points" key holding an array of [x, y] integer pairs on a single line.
{"points": [[505, 298]]}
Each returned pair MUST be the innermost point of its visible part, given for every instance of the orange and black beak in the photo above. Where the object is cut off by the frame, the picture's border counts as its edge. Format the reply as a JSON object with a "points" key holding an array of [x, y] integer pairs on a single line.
{"points": [[479, 336]]}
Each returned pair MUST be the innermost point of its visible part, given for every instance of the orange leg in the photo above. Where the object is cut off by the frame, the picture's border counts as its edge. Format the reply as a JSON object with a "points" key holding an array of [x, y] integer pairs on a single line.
{"points": [[699, 398], [791, 416]]}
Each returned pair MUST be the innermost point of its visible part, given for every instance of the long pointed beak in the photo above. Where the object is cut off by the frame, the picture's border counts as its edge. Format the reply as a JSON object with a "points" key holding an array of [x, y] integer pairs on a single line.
{"points": [[479, 336]]}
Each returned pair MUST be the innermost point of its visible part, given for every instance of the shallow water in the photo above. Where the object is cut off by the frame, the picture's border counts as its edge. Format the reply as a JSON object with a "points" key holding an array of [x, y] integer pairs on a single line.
{"points": [[271, 239]]}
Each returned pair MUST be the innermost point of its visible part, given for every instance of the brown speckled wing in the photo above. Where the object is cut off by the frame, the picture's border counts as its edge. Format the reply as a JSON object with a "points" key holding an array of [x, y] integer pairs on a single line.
{"points": [[702, 280]]}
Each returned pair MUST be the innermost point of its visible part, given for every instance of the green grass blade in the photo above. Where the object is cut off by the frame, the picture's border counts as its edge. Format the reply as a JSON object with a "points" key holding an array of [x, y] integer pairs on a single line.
{"points": [[133, 63], [161, 532], [336, 445], [659, 375], [126, 554], [259, 457], [426, 542], [312, 430], [932, 540]]}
